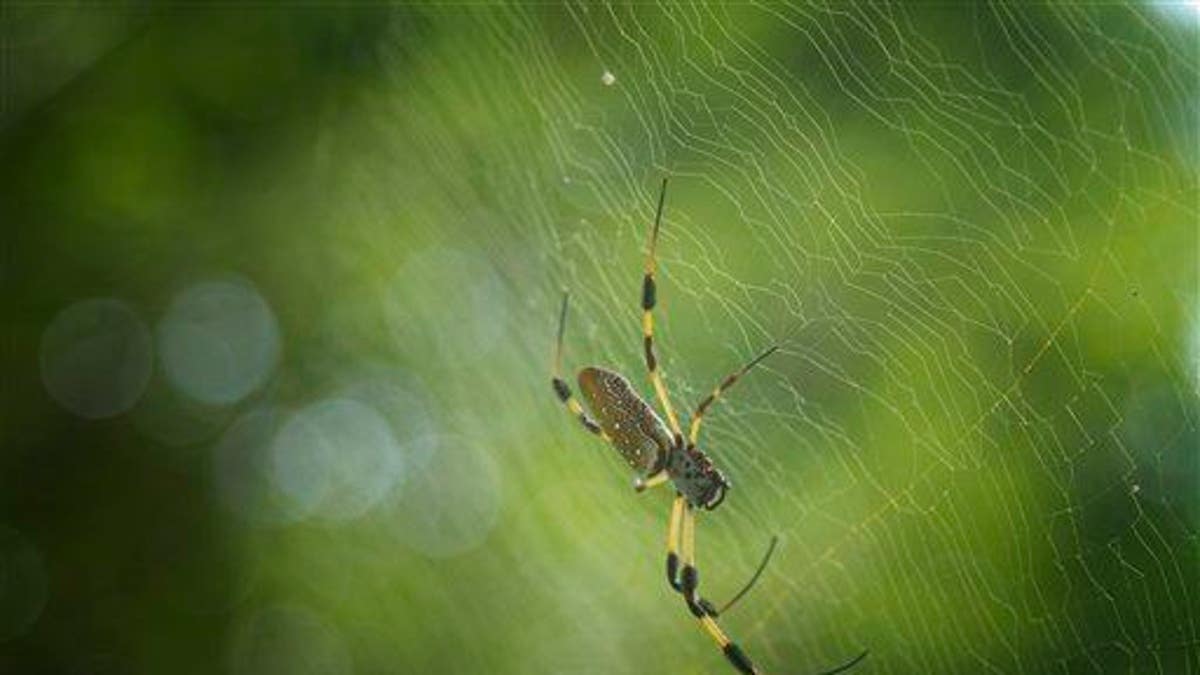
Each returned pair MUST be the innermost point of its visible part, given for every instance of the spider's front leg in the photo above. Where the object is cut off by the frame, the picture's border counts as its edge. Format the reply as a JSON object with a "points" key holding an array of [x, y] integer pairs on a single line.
{"points": [[649, 299]]}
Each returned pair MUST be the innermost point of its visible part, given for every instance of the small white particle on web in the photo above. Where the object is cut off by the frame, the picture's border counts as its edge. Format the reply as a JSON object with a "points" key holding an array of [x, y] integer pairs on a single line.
{"points": [[1135, 489], [608, 79]]}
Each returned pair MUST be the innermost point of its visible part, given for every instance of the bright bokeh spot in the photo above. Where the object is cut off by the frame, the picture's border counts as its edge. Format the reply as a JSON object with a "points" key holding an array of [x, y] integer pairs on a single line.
{"points": [[96, 358], [288, 640], [335, 459], [1184, 11], [218, 341], [403, 402], [468, 311], [242, 470], [451, 504]]}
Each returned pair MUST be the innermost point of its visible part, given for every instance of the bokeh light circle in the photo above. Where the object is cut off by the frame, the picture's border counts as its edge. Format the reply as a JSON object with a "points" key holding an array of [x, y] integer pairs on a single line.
{"points": [[1193, 355], [450, 505], [241, 466], [468, 314], [336, 459], [23, 584], [288, 640], [403, 401], [1183, 12], [168, 417], [218, 341], [96, 358]]}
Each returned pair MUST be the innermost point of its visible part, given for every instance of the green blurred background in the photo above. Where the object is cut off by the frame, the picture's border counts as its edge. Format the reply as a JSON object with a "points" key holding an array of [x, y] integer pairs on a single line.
{"points": [[279, 289]]}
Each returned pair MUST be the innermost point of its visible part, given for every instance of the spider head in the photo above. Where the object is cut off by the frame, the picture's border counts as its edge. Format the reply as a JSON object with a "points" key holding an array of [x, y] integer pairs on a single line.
{"points": [[720, 485]]}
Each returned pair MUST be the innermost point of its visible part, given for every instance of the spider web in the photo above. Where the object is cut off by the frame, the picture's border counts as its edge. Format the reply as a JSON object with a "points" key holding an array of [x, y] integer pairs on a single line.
{"points": [[974, 230], [972, 227]]}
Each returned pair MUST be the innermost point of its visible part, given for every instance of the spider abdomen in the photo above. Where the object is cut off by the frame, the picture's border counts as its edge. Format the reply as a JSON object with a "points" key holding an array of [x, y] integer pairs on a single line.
{"points": [[636, 431]]}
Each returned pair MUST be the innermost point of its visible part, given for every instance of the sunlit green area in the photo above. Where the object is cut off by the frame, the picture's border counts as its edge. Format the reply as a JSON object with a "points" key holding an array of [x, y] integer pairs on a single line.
{"points": [[280, 288]]}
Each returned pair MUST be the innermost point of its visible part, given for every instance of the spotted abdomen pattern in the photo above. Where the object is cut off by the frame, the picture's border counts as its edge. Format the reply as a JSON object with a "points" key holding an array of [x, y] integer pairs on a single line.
{"points": [[636, 431]]}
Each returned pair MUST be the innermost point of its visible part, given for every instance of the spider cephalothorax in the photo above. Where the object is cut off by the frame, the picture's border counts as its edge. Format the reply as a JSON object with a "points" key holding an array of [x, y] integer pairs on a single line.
{"points": [[658, 451], [695, 477]]}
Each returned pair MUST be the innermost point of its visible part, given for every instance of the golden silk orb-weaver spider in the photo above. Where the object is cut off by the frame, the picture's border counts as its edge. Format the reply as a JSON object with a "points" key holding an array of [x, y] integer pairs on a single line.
{"points": [[658, 452]]}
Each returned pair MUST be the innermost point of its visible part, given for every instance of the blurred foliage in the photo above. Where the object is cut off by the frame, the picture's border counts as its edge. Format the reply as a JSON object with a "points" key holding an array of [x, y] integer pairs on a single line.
{"points": [[974, 227]]}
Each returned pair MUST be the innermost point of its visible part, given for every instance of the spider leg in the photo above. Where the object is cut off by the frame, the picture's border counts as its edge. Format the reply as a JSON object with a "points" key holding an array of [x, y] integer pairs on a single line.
{"points": [[753, 579], [673, 549], [673, 525], [561, 389], [649, 296], [681, 542], [689, 580], [848, 665], [654, 480], [698, 416]]}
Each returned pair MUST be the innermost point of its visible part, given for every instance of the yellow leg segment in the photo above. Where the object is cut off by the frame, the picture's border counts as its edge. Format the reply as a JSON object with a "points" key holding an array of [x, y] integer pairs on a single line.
{"points": [[673, 541], [649, 298], [700, 608], [657, 479], [656, 379], [698, 416], [688, 541]]}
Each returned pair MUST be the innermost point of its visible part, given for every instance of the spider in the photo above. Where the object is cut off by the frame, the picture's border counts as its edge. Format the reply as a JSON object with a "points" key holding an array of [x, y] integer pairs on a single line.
{"points": [[658, 452]]}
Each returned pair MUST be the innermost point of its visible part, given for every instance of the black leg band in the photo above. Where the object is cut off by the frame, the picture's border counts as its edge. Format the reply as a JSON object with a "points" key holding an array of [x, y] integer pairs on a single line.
{"points": [[738, 658], [690, 578]]}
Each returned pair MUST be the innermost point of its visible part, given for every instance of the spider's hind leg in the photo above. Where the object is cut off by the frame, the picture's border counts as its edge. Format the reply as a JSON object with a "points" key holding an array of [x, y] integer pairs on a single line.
{"points": [[681, 548], [686, 580], [700, 608]]}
